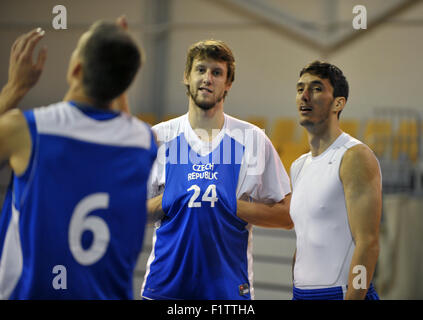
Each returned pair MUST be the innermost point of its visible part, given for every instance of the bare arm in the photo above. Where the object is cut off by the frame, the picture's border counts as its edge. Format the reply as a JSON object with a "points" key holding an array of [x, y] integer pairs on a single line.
{"points": [[10, 97], [154, 208], [361, 179], [15, 140], [266, 215]]}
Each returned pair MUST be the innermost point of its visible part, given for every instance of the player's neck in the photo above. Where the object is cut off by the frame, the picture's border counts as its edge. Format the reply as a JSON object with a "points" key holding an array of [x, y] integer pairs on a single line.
{"points": [[211, 120], [76, 94], [320, 140]]}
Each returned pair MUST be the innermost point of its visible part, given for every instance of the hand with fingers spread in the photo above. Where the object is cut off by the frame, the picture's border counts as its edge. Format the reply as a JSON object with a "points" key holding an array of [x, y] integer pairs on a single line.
{"points": [[23, 73], [122, 22]]}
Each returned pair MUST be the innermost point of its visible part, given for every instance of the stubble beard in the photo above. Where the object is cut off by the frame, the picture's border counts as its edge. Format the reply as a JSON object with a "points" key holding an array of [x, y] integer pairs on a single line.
{"points": [[315, 126], [203, 105]]}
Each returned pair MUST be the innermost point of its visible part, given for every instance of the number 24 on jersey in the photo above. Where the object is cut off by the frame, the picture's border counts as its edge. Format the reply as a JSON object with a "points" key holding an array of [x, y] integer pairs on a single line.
{"points": [[210, 195]]}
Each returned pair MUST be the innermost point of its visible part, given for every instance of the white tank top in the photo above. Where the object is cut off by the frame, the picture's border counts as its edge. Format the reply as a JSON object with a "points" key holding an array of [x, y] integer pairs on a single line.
{"points": [[324, 241]]}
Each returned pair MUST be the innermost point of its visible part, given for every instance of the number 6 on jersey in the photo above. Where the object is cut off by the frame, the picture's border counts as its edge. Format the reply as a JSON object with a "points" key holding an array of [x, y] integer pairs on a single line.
{"points": [[211, 189], [81, 222]]}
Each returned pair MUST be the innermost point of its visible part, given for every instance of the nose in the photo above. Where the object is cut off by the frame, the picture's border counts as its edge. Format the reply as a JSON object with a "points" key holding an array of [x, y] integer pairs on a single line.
{"points": [[305, 95], [207, 78]]}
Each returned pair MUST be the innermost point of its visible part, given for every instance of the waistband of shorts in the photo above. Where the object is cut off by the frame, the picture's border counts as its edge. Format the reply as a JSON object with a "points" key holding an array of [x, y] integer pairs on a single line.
{"points": [[329, 293]]}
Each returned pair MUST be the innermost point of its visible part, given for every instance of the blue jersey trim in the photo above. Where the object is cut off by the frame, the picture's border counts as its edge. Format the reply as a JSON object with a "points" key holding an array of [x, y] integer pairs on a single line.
{"points": [[32, 126], [21, 181], [6, 213]]}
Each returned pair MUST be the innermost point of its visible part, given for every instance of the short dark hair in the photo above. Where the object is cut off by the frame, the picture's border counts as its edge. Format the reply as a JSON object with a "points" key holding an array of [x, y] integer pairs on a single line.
{"points": [[213, 49], [110, 61], [329, 71]]}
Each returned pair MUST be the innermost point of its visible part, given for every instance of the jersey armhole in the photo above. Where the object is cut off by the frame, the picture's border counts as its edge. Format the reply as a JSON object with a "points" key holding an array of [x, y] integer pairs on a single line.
{"points": [[32, 126], [153, 144], [296, 168]]}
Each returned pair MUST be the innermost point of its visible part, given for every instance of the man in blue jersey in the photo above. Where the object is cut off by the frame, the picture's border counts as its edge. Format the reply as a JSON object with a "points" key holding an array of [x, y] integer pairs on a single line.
{"points": [[207, 160], [337, 196], [74, 215]]}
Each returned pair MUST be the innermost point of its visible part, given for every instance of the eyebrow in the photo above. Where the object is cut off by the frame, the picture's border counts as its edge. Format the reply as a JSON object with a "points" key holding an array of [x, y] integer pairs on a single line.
{"points": [[199, 65], [311, 83]]}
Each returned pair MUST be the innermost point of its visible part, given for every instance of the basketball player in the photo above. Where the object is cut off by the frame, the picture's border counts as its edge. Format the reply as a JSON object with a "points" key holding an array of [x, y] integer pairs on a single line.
{"points": [[336, 200], [74, 215], [206, 161]]}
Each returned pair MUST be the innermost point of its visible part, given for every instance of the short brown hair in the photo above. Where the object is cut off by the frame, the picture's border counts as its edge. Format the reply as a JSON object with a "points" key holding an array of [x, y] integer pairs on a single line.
{"points": [[213, 49]]}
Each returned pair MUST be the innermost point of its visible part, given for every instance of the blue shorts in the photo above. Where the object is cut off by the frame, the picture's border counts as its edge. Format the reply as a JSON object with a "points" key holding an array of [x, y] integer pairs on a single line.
{"points": [[333, 293]]}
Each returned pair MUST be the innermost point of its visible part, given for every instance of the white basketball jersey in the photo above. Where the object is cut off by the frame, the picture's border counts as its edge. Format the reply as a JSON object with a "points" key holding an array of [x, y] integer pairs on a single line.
{"points": [[318, 210]]}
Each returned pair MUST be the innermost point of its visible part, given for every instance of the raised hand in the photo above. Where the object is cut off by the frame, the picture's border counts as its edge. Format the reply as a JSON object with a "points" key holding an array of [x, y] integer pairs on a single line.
{"points": [[23, 73], [122, 22]]}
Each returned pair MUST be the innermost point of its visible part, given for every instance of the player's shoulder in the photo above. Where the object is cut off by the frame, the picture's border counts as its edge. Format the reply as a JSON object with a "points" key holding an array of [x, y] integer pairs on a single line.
{"points": [[17, 119], [244, 132], [355, 149], [12, 114], [359, 153], [167, 130], [57, 108], [136, 126], [300, 160], [358, 161], [56, 114], [297, 165], [348, 141], [11, 121], [235, 123]]}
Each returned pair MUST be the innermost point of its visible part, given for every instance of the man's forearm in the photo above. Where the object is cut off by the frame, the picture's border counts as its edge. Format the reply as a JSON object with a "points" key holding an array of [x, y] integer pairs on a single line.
{"points": [[154, 208], [10, 97], [23, 73], [265, 215], [362, 268]]}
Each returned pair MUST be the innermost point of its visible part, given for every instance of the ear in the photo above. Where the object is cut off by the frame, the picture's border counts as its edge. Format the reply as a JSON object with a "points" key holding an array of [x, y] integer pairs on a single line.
{"points": [[186, 79], [339, 104], [77, 70], [228, 86]]}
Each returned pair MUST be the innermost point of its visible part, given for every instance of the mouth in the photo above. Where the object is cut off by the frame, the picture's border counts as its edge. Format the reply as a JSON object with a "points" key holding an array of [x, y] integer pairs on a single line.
{"points": [[203, 89], [305, 109]]}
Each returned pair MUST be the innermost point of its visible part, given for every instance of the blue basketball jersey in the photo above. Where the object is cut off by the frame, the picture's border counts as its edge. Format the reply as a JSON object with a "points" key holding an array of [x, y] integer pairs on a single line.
{"points": [[201, 249], [73, 223]]}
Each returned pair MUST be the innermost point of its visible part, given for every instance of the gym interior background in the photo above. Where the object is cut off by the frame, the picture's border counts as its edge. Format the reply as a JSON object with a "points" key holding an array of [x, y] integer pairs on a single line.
{"points": [[271, 40]]}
